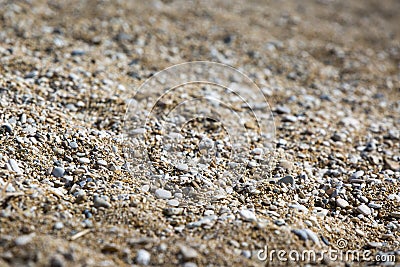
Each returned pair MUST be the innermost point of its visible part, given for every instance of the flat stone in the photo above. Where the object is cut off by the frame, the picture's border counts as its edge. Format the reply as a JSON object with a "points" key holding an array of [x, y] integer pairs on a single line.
{"points": [[84, 160], [287, 180], [102, 162], [282, 110], [163, 194], [182, 167], [58, 172], [248, 215], [14, 166], [364, 209], [173, 202], [340, 202], [289, 118]]}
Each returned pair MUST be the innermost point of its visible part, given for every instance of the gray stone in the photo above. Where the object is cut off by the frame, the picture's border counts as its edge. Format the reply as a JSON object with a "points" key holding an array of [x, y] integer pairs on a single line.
{"points": [[300, 233], [248, 215], [73, 145], [58, 172], [173, 202], [163, 194], [364, 209], [84, 160], [287, 180]]}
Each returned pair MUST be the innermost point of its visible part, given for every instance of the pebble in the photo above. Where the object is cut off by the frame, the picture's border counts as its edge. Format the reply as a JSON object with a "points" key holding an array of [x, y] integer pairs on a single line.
{"points": [[282, 110], [102, 162], [364, 209], [375, 244], [100, 202], [188, 253], [173, 202], [24, 239], [300, 233], [163, 194], [287, 180], [340, 202], [58, 172], [73, 145], [14, 166], [182, 167], [58, 226], [248, 215], [84, 160], [143, 257], [289, 118]]}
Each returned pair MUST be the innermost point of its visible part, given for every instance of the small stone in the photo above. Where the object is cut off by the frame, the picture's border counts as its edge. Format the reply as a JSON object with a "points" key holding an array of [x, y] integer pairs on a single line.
{"points": [[173, 202], [77, 52], [248, 215], [280, 222], [14, 166], [374, 206], [189, 264], [58, 172], [287, 180], [375, 244], [182, 167], [24, 239], [312, 236], [143, 257], [357, 174], [289, 118], [58, 226], [188, 253], [282, 110], [84, 160], [173, 211], [102, 162], [300, 233], [364, 209], [73, 145], [340, 202], [359, 232], [257, 151], [100, 202], [163, 194]]}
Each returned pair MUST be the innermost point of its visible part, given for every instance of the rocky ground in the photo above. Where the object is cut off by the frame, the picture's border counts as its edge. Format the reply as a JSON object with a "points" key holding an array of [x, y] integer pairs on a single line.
{"points": [[330, 71]]}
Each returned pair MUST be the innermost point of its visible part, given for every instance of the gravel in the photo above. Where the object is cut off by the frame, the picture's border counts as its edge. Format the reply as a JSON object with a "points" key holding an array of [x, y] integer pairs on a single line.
{"points": [[96, 172]]}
